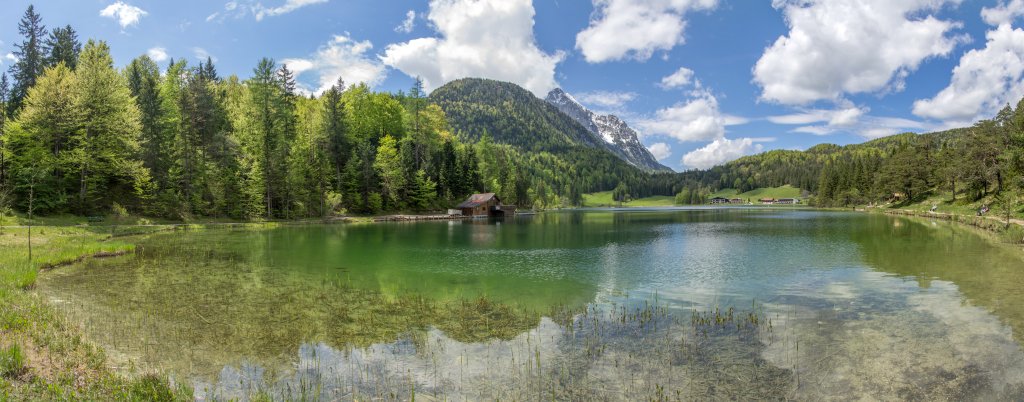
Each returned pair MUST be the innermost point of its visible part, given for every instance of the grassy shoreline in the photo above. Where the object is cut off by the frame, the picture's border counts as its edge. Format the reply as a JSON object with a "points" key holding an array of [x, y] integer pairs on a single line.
{"points": [[42, 355]]}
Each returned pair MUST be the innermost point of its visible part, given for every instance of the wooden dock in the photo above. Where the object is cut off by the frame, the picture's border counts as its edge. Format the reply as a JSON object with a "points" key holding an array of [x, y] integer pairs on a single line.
{"points": [[414, 218]]}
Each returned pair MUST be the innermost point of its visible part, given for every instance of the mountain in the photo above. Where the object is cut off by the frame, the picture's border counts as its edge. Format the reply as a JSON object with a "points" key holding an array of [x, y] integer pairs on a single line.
{"points": [[510, 115], [617, 135], [548, 139]]}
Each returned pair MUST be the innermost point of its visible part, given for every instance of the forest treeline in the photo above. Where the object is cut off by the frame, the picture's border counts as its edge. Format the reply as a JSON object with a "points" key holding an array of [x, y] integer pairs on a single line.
{"points": [[79, 135], [985, 160]]}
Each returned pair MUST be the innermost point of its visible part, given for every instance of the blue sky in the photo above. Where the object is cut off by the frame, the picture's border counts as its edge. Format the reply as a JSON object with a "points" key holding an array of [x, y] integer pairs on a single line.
{"points": [[704, 81]]}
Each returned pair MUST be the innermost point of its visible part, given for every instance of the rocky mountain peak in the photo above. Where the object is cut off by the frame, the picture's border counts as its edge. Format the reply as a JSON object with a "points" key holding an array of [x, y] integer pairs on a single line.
{"points": [[616, 134]]}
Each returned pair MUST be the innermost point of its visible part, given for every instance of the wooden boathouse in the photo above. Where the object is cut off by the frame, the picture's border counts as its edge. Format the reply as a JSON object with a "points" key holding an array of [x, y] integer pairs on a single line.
{"points": [[487, 204]]}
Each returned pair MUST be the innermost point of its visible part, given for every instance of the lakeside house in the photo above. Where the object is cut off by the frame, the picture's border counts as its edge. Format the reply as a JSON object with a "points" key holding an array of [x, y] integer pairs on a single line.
{"points": [[719, 200], [737, 201], [788, 201], [486, 204], [767, 201]]}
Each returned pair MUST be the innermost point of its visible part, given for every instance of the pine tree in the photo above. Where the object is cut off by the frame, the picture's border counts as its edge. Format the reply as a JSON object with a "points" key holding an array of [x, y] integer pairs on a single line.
{"points": [[208, 71], [64, 47], [143, 76], [262, 91], [31, 53], [284, 125], [422, 191], [336, 127], [353, 195]]}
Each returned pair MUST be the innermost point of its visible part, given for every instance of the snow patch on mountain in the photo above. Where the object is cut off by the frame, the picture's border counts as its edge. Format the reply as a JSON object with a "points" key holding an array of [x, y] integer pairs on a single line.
{"points": [[621, 139]]}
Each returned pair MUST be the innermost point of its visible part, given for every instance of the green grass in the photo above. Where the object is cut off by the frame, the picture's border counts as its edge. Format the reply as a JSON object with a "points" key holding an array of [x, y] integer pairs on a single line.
{"points": [[786, 191], [944, 203], [604, 199], [12, 361], [42, 355]]}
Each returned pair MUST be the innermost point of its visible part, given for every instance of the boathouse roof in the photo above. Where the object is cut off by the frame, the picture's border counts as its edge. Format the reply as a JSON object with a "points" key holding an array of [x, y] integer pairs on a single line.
{"points": [[477, 200]]}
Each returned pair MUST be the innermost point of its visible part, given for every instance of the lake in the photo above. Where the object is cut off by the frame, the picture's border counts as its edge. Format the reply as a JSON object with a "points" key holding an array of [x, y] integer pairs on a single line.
{"points": [[699, 303]]}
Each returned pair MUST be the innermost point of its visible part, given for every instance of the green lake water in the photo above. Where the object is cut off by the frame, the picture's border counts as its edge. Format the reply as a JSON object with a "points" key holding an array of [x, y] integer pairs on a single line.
{"points": [[674, 304]]}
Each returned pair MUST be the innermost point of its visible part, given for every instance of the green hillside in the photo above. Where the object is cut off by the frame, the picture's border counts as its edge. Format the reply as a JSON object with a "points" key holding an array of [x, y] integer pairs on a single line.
{"points": [[786, 191], [604, 199]]}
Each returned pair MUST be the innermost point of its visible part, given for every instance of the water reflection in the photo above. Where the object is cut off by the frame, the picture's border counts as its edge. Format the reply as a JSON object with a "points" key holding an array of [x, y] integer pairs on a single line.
{"points": [[580, 306]]}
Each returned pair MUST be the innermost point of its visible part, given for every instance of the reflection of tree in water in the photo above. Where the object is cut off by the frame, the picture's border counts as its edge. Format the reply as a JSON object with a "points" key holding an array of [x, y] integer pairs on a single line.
{"points": [[640, 351], [988, 275], [197, 318]]}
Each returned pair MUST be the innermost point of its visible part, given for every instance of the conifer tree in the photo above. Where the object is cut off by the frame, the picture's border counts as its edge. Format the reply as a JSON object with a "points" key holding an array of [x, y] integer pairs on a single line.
{"points": [[31, 53], [64, 47]]}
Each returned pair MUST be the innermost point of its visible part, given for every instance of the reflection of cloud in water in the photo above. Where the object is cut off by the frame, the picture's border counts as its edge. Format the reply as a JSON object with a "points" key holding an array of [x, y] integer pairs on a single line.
{"points": [[884, 338], [436, 364]]}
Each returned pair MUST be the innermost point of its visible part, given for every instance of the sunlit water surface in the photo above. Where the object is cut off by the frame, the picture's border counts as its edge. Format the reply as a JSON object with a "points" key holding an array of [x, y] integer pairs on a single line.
{"points": [[584, 305]]}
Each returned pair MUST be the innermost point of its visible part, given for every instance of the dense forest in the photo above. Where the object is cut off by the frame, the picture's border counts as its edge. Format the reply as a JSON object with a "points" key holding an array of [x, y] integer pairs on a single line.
{"points": [[180, 141], [969, 164]]}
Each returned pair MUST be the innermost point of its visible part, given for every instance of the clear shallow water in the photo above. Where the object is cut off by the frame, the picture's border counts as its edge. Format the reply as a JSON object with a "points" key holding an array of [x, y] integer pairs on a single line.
{"points": [[577, 305]]}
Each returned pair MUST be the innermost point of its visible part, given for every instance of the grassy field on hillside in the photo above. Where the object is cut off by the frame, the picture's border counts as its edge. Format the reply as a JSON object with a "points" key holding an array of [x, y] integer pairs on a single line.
{"points": [[604, 199], [786, 191]]}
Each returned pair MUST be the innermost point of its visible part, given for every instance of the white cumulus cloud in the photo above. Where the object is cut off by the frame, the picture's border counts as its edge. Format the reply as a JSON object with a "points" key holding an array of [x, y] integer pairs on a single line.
{"points": [[635, 29], [837, 47], [125, 14], [721, 151], [342, 57], [660, 150], [697, 119], [158, 54], [679, 79], [478, 38], [1004, 13], [985, 80]]}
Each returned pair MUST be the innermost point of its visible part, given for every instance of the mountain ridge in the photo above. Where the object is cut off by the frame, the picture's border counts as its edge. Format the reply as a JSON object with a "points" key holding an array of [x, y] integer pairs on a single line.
{"points": [[620, 138]]}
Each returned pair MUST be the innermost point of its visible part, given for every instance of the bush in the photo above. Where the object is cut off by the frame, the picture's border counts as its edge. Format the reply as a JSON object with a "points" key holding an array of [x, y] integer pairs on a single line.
{"points": [[12, 362]]}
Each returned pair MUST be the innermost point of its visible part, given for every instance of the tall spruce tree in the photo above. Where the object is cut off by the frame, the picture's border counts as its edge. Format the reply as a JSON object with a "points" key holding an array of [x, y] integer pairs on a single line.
{"points": [[31, 54], [64, 47], [144, 82], [335, 123]]}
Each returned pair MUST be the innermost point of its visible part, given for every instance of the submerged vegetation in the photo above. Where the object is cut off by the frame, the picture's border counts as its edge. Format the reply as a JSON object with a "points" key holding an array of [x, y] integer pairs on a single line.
{"points": [[43, 356]]}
